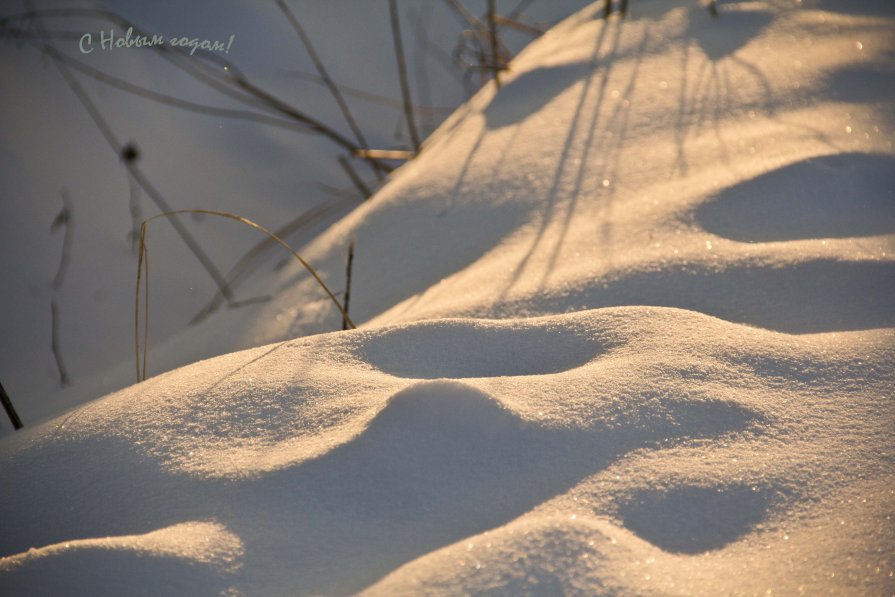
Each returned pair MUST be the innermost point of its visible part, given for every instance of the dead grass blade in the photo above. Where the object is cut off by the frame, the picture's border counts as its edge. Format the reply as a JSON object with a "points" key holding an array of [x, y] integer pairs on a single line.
{"points": [[402, 74], [10, 409], [143, 271], [252, 258], [348, 268]]}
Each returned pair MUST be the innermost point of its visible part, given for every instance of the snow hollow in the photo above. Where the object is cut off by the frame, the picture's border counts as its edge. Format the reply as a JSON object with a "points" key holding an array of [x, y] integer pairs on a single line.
{"points": [[625, 327]]}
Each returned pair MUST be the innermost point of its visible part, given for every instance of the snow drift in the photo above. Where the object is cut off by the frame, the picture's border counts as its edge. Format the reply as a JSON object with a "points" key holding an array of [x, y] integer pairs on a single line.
{"points": [[628, 331]]}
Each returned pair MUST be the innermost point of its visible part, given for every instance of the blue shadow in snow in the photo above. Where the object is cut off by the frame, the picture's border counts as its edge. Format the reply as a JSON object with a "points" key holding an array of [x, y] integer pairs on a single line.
{"points": [[834, 196]]}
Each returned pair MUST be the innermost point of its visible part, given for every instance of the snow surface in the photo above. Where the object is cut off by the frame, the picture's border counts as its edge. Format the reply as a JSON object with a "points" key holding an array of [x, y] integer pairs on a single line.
{"points": [[627, 330]]}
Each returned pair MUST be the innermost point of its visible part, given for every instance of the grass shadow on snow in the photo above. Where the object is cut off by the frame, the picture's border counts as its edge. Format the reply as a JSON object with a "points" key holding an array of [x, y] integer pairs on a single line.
{"points": [[713, 73], [532, 90], [720, 38], [604, 127]]}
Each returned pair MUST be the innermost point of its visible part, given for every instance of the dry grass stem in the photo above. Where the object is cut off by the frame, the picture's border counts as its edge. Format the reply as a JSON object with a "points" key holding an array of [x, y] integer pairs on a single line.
{"points": [[402, 74], [143, 271], [324, 75], [385, 154], [250, 260], [348, 283], [63, 220], [356, 180], [10, 409], [64, 380]]}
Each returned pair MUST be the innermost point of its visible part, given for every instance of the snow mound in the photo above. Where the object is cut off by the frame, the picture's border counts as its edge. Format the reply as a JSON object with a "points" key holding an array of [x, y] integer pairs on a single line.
{"points": [[690, 434], [193, 556], [591, 361], [579, 554], [550, 555]]}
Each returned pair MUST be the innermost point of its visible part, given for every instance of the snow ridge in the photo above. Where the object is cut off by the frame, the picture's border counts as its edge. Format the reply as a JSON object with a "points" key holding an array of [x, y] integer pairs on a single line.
{"points": [[628, 331]]}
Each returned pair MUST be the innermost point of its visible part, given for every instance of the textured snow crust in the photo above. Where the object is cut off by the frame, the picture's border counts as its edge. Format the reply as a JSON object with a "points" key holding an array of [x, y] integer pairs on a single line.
{"points": [[628, 330]]}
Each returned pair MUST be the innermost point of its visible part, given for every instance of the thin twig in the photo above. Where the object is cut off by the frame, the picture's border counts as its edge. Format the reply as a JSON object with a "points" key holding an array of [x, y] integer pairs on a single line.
{"points": [[516, 13], [142, 262], [476, 36], [54, 343], [402, 74], [130, 164], [492, 38], [135, 211], [290, 111], [63, 220], [374, 98], [355, 179], [533, 30], [420, 63], [464, 14], [22, 34], [227, 79], [142, 270], [175, 55], [324, 74], [248, 302], [177, 224], [176, 102], [339, 193], [472, 21], [384, 154], [245, 265], [328, 81], [348, 283], [10, 409]]}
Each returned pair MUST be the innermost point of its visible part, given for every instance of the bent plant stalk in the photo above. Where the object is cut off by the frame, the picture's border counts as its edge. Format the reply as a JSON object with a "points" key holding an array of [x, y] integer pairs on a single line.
{"points": [[143, 267], [402, 74], [348, 282], [10, 409]]}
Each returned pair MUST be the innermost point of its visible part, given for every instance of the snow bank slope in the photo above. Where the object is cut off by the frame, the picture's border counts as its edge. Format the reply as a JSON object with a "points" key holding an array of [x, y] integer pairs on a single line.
{"points": [[740, 166], [732, 436], [648, 438]]}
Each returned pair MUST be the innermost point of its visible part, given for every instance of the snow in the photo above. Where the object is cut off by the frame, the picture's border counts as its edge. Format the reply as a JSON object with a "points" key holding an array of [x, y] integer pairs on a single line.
{"points": [[627, 329], [135, 564], [335, 462]]}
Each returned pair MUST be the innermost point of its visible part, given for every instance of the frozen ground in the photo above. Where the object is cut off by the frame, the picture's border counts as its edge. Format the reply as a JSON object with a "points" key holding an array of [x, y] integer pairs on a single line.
{"points": [[627, 330]]}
